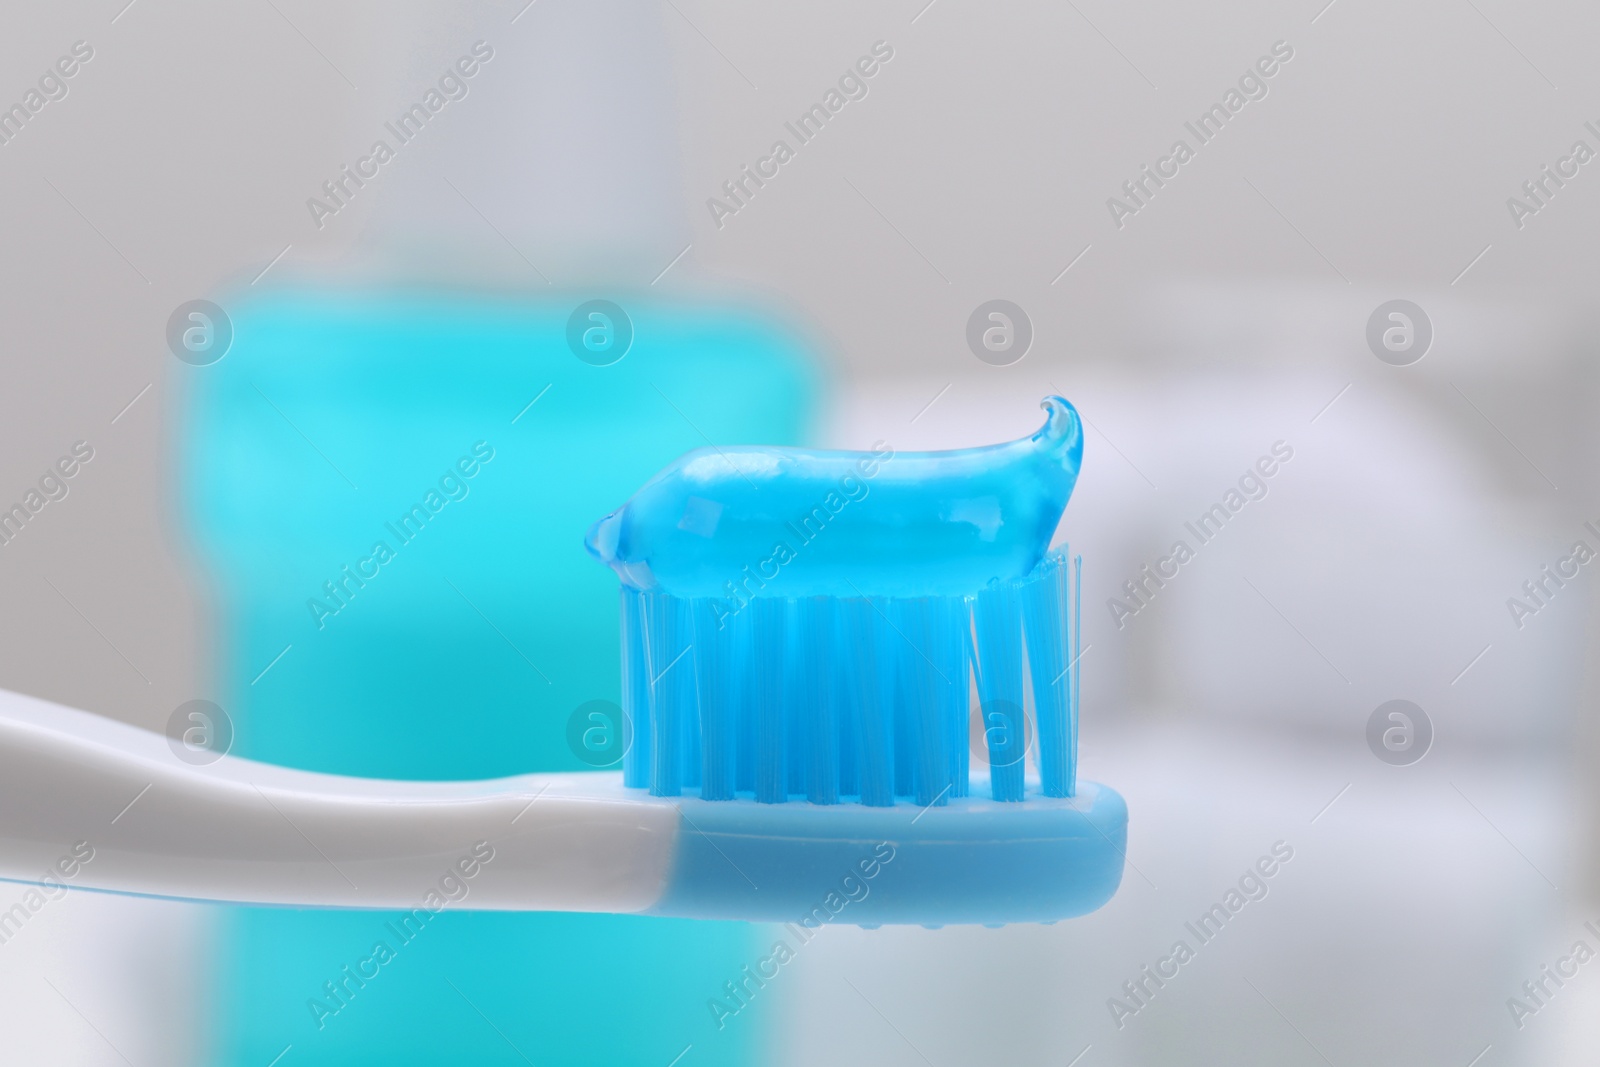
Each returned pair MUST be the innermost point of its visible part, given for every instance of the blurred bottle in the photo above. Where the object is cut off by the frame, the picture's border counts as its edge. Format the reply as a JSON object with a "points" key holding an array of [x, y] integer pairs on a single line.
{"points": [[464, 645]]}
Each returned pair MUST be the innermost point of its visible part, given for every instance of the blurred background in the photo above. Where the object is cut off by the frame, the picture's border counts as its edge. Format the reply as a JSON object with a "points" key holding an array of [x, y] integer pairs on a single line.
{"points": [[1204, 308]]}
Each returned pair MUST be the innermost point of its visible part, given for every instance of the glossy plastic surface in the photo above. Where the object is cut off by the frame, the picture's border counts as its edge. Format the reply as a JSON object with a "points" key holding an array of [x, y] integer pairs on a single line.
{"points": [[973, 861], [246, 832], [240, 831], [742, 521]]}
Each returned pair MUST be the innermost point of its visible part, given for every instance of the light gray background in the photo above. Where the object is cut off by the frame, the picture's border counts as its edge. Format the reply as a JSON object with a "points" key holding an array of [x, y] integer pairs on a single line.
{"points": [[991, 142]]}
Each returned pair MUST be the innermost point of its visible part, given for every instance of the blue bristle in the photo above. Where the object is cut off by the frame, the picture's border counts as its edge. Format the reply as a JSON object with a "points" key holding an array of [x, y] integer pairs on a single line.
{"points": [[713, 654], [919, 622], [767, 653], [903, 710], [683, 691], [817, 708], [742, 683], [1076, 675], [667, 658], [679, 686], [950, 651], [664, 757], [635, 692], [794, 699], [863, 699], [847, 699], [998, 630], [1044, 621], [872, 680]]}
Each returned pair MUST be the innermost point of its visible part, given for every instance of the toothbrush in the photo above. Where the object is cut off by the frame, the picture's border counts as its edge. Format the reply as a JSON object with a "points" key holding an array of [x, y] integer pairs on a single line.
{"points": [[842, 676]]}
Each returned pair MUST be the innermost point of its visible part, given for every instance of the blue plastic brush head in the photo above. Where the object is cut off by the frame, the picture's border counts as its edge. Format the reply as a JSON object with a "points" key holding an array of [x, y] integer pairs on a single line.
{"points": [[812, 625]]}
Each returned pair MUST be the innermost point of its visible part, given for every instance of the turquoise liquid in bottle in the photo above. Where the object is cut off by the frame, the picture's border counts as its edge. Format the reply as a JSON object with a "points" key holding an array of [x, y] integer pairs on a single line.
{"points": [[389, 493]]}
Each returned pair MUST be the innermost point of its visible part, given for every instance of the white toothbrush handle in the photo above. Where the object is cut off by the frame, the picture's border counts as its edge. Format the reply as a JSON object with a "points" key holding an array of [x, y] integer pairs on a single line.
{"points": [[73, 784]]}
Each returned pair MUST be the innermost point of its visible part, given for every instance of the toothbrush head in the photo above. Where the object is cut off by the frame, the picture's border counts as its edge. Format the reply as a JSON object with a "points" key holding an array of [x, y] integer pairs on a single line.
{"points": [[810, 625]]}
